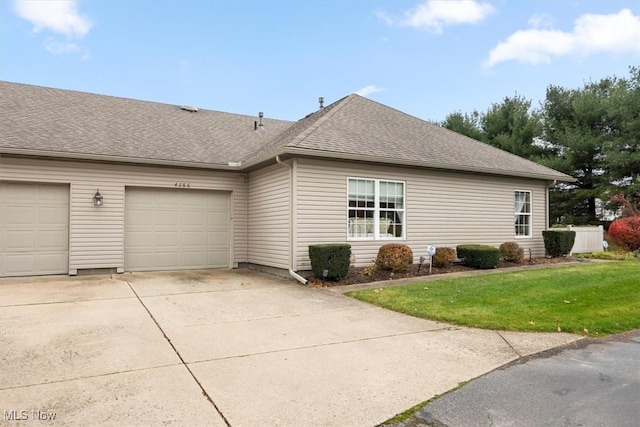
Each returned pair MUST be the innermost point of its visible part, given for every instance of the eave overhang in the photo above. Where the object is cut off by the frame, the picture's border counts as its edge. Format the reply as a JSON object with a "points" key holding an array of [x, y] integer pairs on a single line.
{"points": [[329, 155], [285, 152], [115, 159]]}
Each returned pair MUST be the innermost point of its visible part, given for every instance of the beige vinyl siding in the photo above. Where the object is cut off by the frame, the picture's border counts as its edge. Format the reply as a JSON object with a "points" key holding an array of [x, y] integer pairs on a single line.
{"points": [[96, 234], [89, 224], [269, 217], [442, 208]]}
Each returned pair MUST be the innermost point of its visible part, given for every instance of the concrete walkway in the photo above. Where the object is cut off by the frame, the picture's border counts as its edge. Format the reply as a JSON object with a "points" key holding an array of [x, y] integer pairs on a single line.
{"points": [[225, 348]]}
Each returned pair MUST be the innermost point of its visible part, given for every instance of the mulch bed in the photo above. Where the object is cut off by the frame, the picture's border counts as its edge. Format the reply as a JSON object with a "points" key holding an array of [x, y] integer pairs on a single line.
{"points": [[359, 275]]}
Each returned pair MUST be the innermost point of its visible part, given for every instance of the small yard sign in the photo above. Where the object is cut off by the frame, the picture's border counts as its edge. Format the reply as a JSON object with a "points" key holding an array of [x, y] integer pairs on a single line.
{"points": [[431, 251]]}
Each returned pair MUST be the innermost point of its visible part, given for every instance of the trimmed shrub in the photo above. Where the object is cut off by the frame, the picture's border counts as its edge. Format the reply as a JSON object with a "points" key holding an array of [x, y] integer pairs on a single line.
{"points": [[558, 242], [479, 256], [370, 270], [444, 257], [625, 232], [330, 261], [395, 257], [511, 251]]}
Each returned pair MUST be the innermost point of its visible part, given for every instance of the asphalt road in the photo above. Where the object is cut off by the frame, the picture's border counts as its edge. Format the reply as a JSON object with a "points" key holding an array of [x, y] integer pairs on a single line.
{"points": [[595, 382]]}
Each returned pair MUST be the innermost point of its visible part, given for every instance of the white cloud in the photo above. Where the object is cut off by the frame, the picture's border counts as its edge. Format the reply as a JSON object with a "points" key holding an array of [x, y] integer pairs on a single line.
{"points": [[608, 33], [60, 48], [434, 15], [385, 17], [368, 90], [59, 16], [541, 21], [592, 34]]}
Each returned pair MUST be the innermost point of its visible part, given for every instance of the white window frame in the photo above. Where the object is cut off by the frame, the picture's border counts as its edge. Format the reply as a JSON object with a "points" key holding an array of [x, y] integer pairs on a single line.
{"points": [[376, 235], [517, 213]]}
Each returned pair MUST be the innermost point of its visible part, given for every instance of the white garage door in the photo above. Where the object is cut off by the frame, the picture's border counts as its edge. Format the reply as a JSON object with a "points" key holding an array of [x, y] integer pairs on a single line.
{"points": [[176, 229], [34, 229]]}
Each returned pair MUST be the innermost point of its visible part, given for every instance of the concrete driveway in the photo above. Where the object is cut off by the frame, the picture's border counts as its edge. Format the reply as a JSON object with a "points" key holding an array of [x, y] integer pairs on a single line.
{"points": [[595, 382], [225, 348]]}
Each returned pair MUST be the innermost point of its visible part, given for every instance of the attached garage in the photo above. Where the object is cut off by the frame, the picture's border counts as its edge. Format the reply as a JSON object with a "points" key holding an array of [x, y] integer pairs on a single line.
{"points": [[176, 229], [34, 229]]}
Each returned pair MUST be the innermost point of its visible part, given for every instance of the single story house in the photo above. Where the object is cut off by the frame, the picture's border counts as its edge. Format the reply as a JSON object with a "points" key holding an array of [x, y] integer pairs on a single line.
{"points": [[92, 183]]}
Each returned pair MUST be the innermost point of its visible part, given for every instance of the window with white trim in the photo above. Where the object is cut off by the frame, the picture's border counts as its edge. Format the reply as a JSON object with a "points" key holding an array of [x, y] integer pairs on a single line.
{"points": [[375, 209], [523, 213]]}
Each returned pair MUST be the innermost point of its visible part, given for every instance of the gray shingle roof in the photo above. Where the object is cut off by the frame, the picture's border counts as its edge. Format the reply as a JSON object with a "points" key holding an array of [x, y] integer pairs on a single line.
{"points": [[358, 127], [80, 124], [75, 124]]}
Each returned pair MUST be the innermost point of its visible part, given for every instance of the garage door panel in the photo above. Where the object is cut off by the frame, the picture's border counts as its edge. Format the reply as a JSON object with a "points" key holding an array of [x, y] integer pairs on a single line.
{"points": [[138, 239], [196, 201], [139, 217], [51, 262], [193, 259], [51, 193], [143, 199], [194, 218], [20, 264], [220, 202], [214, 257], [34, 229], [20, 215], [53, 240], [166, 260], [19, 241], [193, 238], [166, 217], [218, 238], [140, 258], [177, 232], [166, 239], [53, 215], [17, 191], [217, 218]]}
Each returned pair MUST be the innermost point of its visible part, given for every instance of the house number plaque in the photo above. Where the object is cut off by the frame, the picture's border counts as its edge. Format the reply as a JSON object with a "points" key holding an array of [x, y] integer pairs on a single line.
{"points": [[182, 185]]}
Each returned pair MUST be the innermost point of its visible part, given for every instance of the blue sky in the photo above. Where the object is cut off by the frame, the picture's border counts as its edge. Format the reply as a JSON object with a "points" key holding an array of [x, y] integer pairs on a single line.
{"points": [[426, 58]]}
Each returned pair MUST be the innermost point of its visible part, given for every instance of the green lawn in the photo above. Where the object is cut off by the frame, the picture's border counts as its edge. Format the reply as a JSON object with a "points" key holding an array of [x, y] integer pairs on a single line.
{"points": [[595, 299]]}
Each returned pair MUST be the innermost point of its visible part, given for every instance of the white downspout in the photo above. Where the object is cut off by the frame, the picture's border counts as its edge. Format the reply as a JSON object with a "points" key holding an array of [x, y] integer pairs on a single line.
{"points": [[555, 181], [292, 273]]}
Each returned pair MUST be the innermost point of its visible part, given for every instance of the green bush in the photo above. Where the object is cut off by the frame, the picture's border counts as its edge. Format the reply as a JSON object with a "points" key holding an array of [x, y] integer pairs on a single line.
{"points": [[330, 261], [479, 256], [444, 257], [558, 242], [511, 251], [610, 256], [395, 257]]}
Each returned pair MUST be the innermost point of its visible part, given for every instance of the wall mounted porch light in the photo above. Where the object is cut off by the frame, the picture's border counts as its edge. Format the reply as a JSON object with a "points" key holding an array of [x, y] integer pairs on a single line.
{"points": [[97, 199]]}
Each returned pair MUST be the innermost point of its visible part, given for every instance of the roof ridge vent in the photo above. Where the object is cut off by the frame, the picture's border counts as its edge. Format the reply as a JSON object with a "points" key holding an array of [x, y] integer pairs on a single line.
{"points": [[189, 108]]}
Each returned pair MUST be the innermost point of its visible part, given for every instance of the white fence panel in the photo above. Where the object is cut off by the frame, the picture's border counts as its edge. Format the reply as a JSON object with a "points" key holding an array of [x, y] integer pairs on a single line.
{"points": [[588, 239]]}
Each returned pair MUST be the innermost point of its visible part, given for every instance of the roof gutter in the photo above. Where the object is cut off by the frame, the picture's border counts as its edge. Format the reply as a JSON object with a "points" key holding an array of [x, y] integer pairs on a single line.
{"points": [[241, 166], [232, 166], [380, 160], [292, 222]]}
